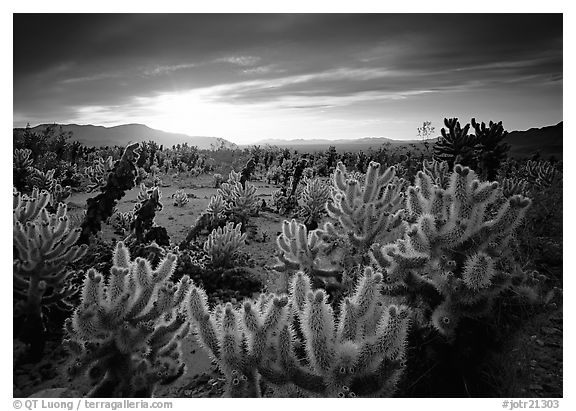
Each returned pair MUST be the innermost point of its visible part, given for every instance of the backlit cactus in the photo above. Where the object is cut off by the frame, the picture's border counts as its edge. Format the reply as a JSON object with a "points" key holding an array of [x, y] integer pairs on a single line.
{"points": [[44, 244], [453, 255], [125, 334], [313, 200], [360, 352], [241, 200], [223, 243], [42, 180], [21, 167], [303, 250], [180, 198], [541, 174], [365, 213], [97, 173], [438, 171]]}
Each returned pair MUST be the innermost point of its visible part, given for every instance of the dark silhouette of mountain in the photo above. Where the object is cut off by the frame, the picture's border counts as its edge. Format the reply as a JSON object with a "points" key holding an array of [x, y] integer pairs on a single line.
{"points": [[121, 135], [546, 140]]}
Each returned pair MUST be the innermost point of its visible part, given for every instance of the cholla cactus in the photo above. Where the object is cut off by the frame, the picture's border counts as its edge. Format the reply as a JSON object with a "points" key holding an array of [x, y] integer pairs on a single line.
{"points": [[541, 173], [243, 201], [42, 180], [226, 188], [125, 334], [180, 198], [453, 254], [217, 208], [456, 146], [122, 221], [314, 197], [300, 250], [217, 180], [21, 167], [360, 352], [513, 186], [44, 245], [438, 171], [28, 208], [223, 243], [59, 194], [98, 172], [492, 151], [144, 193], [182, 167], [365, 213]]}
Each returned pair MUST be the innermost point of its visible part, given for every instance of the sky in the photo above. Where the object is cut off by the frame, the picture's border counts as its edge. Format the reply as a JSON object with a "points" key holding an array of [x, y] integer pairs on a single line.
{"points": [[250, 77]]}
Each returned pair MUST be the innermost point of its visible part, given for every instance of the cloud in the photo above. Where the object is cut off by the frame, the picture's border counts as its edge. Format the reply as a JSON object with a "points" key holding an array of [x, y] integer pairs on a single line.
{"points": [[352, 64]]}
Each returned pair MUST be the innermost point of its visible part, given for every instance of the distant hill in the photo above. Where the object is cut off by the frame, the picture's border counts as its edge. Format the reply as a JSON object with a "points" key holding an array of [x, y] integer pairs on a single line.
{"points": [[341, 145], [546, 140], [121, 135]]}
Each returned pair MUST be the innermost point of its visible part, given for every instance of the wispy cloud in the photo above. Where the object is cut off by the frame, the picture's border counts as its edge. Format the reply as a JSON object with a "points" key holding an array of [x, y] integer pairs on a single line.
{"points": [[293, 68]]}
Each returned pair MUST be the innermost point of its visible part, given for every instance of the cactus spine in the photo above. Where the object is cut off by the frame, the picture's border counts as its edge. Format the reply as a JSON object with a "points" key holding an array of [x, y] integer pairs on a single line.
{"points": [[360, 352], [453, 254], [126, 332]]}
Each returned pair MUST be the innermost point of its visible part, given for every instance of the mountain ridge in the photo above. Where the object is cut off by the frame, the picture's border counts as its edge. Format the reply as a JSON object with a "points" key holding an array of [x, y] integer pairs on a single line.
{"points": [[547, 140]]}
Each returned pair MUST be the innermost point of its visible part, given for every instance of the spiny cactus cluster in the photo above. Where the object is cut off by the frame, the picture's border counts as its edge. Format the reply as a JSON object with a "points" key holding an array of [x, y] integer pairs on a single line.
{"points": [[223, 243], [125, 334], [513, 186], [452, 255], [42, 180], [241, 200], [492, 151], [483, 151], [364, 213], [217, 180], [44, 245], [21, 167], [367, 212], [180, 198], [59, 194], [122, 221], [359, 352], [541, 174], [303, 250], [438, 171], [97, 173], [313, 199], [455, 146]]}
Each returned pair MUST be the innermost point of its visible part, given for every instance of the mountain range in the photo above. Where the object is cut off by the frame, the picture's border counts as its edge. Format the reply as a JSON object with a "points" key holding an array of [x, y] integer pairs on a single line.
{"points": [[100, 136], [546, 140]]}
